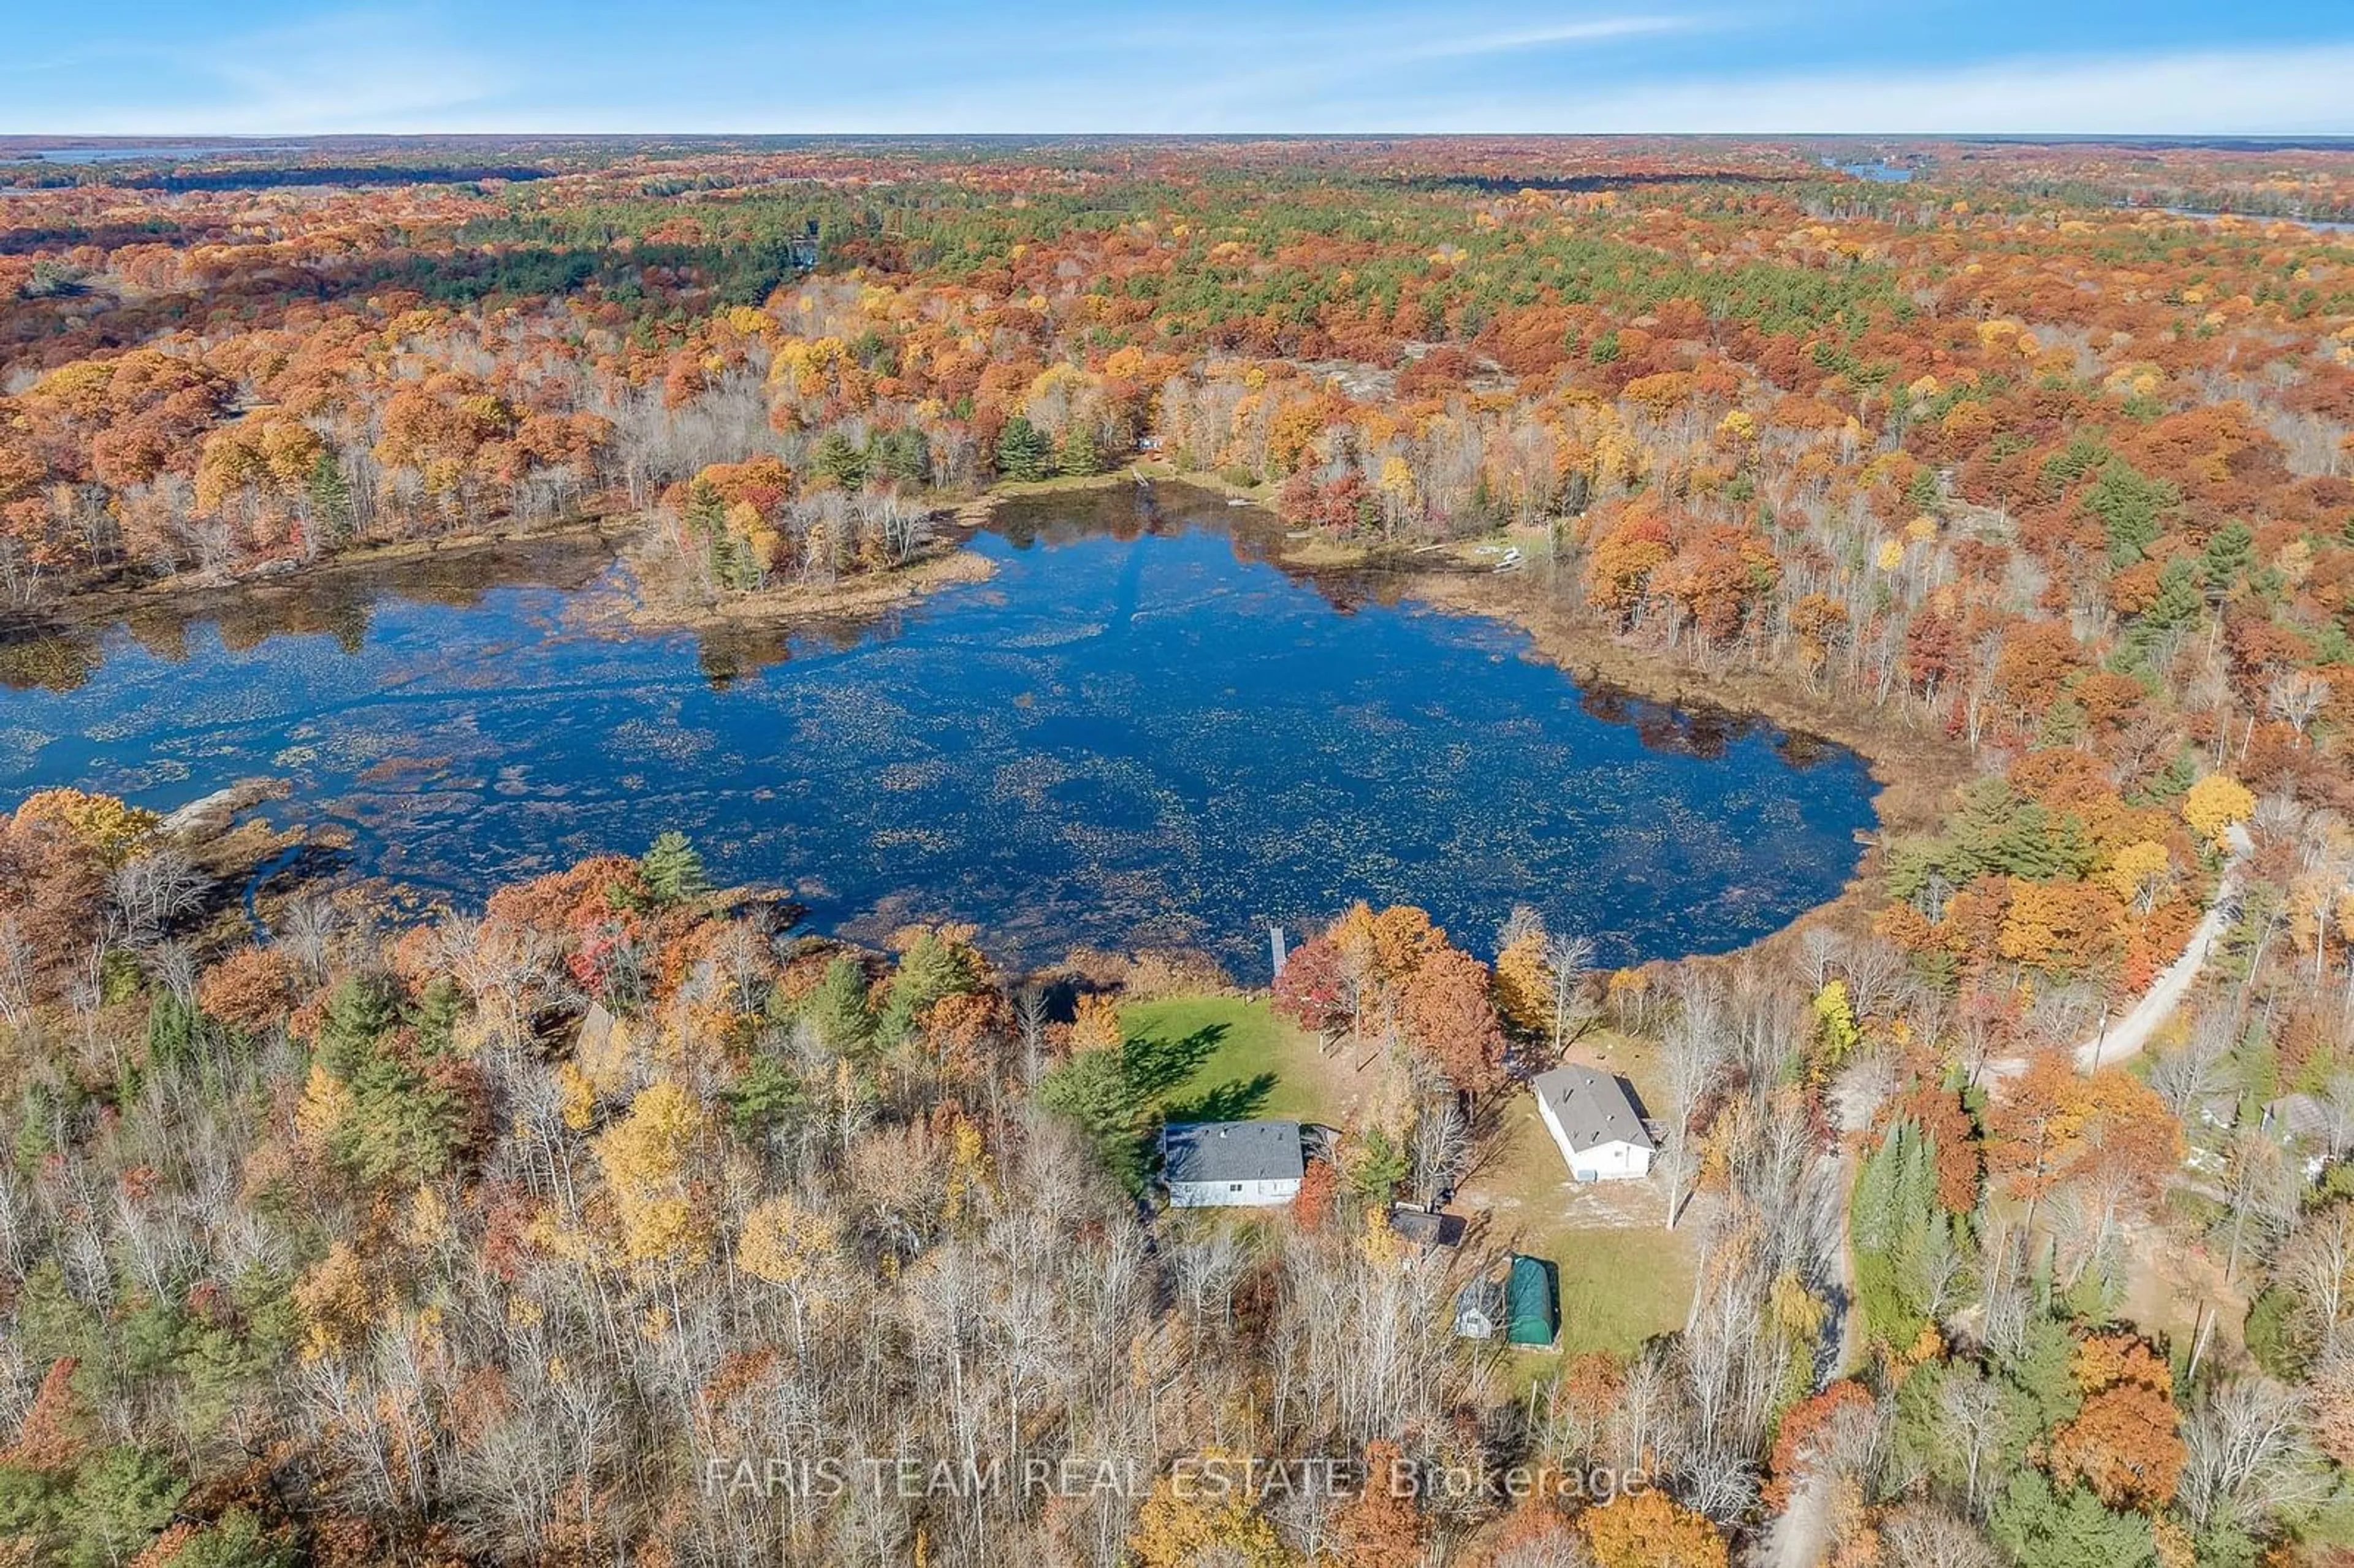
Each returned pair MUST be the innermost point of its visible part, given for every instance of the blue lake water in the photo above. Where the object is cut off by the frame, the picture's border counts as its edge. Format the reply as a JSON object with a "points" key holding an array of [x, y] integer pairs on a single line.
{"points": [[1138, 732]]}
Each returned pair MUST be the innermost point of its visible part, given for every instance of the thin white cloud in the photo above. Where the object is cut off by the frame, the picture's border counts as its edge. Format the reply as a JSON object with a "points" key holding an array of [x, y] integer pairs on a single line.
{"points": [[1235, 79], [356, 72], [2272, 91], [1378, 73], [1528, 40]]}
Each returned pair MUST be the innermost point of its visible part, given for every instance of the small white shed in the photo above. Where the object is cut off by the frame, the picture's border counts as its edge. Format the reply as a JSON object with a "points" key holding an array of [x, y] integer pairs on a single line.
{"points": [[1593, 1120], [1215, 1164]]}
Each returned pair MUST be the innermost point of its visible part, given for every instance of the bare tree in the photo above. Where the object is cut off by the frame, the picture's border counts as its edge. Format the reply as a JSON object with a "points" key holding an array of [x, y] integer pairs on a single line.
{"points": [[2260, 1186], [307, 931], [154, 889], [1030, 1021], [1569, 959], [17, 963], [1692, 1057], [496, 960], [2294, 698], [1824, 945], [1923, 1535], [1208, 1268], [1522, 922], [2316, 1265], [173, 968], [1969, 1407], [2336, 1102], [1441, 1146], [1873, 969], [2246, 1457], [2185, 1076]]}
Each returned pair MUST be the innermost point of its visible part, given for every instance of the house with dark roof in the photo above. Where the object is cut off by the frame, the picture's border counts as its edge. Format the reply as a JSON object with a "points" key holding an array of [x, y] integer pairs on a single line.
{"points": [[1213, 1164], [1427, 1231], [1593, 1120]]}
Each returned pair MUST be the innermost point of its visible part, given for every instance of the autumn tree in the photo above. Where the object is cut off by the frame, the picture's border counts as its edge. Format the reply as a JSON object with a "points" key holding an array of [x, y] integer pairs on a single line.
{"points": [[1451, 1020], [1379, 1527], [1648, 1529]]}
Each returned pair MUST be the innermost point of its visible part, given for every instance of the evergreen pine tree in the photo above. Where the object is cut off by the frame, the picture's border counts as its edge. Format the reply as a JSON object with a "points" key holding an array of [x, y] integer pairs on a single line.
{"points": [[732, 564], [840, 460], [171, 1031], [1095, 1092], [2043, 1528], [1922, 493], [435, 1015], [706, 514], [402, 1124], [331, 501], [903, 453], [1079, 453], [2178, 602], [1984, 828], [673, 869], [118, 1505], [1022, 451], [767, 1097], [837, 1007], [929, 970], [2230, 552], [1871, 1211], [2132, 507], [358, 1013]]}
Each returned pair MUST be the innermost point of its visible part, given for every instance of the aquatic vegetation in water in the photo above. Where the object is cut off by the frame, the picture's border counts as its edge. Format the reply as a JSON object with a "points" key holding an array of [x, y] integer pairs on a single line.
{"points": [[1137, 737]]}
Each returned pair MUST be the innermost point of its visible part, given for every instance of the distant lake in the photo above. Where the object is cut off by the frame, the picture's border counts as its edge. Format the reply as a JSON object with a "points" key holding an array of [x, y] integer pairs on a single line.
{"points": [[121, 154], [2326, 225], [1141, 732]]}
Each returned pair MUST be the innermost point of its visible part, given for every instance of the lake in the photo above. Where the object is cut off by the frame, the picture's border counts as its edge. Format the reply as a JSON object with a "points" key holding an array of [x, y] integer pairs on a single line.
{"points": [[1141, 731], [2321, 225]]}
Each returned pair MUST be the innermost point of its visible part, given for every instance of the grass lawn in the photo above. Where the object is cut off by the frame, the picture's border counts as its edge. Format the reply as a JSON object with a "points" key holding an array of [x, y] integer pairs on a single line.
{"points": [[1619, 1288], [1623, 1277], [1245, 1062]]}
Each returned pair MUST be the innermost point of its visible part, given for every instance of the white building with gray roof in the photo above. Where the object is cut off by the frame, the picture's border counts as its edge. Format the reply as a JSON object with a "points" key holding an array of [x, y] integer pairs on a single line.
{"points": [[1593, 1120], [1216, 1164]]}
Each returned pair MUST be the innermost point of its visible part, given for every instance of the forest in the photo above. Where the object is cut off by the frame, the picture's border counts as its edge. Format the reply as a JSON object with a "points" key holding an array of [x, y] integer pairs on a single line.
{"points": [[601, 1218]]}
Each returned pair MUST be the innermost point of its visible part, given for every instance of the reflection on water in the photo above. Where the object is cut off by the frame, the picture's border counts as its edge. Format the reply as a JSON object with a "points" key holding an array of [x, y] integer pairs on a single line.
{"points": [[1140, 731]]}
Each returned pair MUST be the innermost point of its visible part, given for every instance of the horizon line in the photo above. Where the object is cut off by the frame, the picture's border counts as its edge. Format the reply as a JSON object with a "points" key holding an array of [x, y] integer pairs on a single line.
{"points": [[100, 138]]}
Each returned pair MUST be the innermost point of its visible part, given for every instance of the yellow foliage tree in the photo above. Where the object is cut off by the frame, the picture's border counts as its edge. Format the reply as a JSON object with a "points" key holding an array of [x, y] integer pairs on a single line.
{"points": [[334, 1303], [1649, 1531], [2139, 873], [784, 1243], [1525, 984], [1096, 1025], [1836, 1030], [1185, 1523], [2214, 804], [645, 1158], [110, 830], [326, 1102]]}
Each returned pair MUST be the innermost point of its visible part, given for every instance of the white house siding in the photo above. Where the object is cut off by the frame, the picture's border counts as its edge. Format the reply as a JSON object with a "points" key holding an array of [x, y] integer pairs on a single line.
{"points": [[1604, 1162], [1612, 1162], [1232, 1194]]}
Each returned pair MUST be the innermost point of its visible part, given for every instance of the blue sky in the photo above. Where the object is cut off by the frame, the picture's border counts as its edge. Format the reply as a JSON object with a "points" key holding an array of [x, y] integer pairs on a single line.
{"points": [[129, 67]]}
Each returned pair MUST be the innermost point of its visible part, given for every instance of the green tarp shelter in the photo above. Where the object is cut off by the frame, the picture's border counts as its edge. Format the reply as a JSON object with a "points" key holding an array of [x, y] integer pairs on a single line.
{"points": [[1532, 1297]]}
